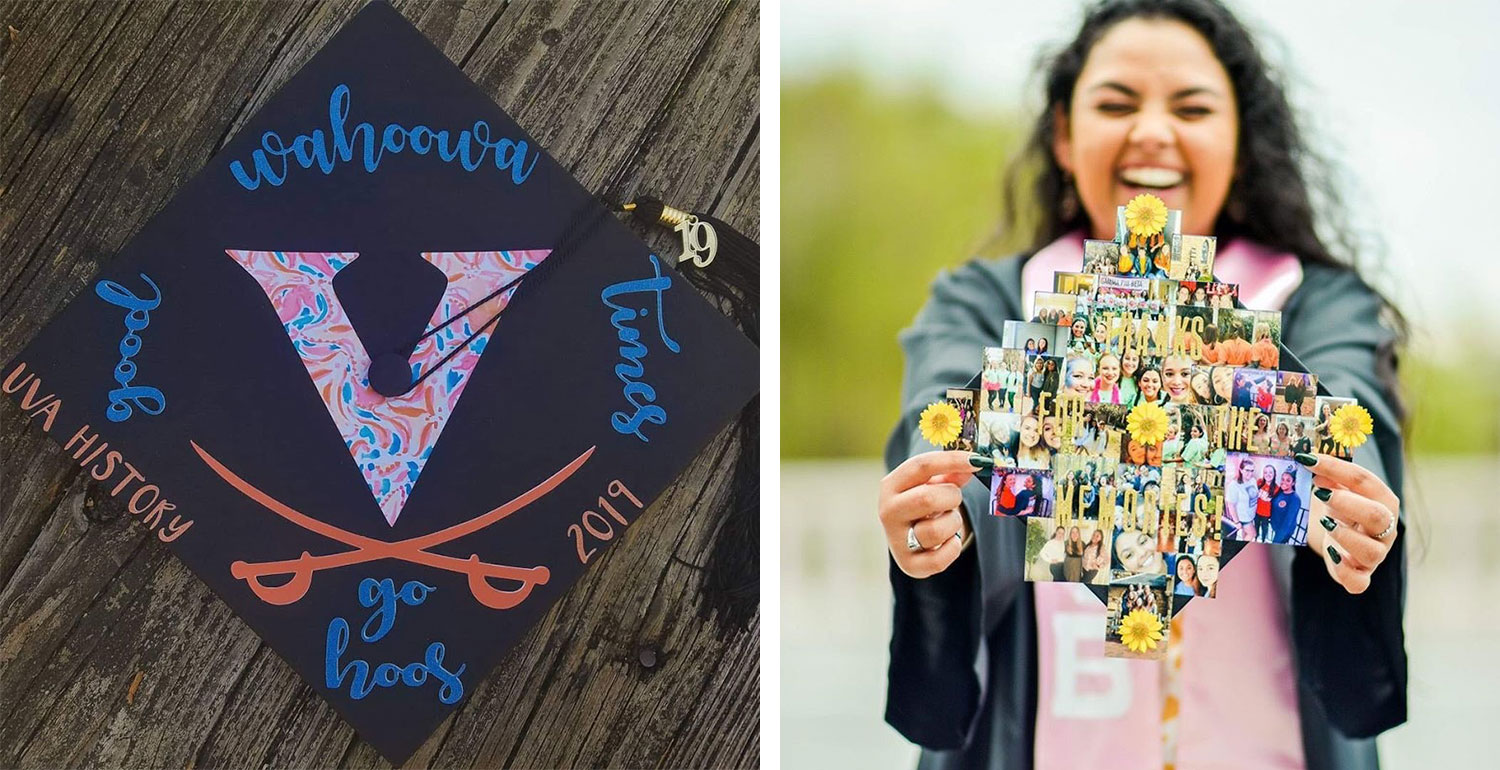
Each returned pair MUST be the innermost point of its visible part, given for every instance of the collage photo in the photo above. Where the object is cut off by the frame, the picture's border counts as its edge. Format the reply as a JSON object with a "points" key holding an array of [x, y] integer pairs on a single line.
{"points": [[1145, 323]]}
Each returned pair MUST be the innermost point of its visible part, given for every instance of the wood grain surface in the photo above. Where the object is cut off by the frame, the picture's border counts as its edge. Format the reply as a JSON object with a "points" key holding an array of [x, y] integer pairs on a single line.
{"points": [[111, 652]]}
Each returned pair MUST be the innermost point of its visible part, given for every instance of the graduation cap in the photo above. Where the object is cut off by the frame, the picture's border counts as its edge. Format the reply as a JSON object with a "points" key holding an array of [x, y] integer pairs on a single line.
{"points": [[386, 377]]}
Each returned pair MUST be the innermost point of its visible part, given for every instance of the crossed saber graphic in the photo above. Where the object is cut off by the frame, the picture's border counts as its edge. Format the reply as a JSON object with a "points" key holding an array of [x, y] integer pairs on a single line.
{"points": [[413, 550]]}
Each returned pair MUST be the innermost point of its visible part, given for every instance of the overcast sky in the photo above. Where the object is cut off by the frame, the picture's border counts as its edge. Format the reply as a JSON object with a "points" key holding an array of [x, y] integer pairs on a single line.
{"points": [[1407, 99]]}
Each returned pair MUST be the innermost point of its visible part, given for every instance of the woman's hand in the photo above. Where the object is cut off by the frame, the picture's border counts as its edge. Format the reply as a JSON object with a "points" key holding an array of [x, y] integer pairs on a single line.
{"points": [[1351, 509], [920, 497]]}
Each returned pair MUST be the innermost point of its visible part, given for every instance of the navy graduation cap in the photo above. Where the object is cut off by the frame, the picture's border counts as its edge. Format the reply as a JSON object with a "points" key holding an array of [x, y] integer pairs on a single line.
{"points": [[386, 377]]}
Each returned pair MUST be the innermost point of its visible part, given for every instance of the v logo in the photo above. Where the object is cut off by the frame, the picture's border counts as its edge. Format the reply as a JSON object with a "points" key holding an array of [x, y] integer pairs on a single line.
{"points": [[390, 439]]}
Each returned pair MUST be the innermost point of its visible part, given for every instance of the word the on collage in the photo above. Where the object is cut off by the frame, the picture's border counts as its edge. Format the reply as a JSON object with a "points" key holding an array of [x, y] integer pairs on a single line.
{"points": [[1137, 419]]}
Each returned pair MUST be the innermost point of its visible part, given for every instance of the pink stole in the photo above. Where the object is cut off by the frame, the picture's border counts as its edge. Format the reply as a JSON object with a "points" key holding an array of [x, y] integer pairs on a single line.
{"points": [[1238, 686]]}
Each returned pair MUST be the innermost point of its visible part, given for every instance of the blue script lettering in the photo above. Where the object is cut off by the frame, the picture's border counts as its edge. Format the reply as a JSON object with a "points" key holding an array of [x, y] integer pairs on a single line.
{"points": [[384, 593], [362, 678], [271, 164], [632, 368], [122, 399]]}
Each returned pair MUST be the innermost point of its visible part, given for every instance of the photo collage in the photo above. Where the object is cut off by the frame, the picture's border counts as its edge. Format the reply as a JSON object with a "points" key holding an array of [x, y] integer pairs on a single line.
{"points": [[1138, 501]]}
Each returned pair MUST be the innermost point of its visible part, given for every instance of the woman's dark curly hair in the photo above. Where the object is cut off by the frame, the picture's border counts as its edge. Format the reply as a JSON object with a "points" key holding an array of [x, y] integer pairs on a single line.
{"points": [[1275, 164]]}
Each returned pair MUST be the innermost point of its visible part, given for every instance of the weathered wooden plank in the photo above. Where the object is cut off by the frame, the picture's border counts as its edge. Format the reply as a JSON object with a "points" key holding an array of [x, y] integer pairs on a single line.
{"points": [[41, 132], [590, 95], [659, 97], [71, 187], [147, 119], [77, 583], [715, 119], [35, 97], [734, 686], [455, 27], [277, 691], [65, 566], [188, 648], [28, 43], [29, 492], [704, 136]]}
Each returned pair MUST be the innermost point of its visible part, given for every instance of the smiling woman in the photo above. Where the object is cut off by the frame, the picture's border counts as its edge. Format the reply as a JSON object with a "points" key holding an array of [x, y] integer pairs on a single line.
{"points": [[1299, 661], [1153, 112]]}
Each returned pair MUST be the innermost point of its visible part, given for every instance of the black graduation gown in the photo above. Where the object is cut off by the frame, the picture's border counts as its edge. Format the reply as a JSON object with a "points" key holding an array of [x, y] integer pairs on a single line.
{"points": [[962, 681]]}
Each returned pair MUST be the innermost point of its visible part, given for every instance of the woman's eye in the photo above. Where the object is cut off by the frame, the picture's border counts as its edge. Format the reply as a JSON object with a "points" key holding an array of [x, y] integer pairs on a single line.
{"points": [[1190, 113], [1115, 108]]}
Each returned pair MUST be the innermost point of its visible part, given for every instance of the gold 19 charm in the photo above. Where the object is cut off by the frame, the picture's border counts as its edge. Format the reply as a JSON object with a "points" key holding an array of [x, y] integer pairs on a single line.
{"points": [[699, 241]]}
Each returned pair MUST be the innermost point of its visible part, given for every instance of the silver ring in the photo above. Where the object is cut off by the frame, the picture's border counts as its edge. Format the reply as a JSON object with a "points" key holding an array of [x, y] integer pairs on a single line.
{"points": [[1388, 529], [911, 539]]}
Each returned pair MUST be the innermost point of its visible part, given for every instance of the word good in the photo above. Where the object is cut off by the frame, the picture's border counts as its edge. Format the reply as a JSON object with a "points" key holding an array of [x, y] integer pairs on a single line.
{"points": [[121, 399]]}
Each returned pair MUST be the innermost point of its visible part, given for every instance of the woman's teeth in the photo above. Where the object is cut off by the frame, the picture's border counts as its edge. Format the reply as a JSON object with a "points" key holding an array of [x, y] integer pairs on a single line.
{"points": [[1151, 177]]}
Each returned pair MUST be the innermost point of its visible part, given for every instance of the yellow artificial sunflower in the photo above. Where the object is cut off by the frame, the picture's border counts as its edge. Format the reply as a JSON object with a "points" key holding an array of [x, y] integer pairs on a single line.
{"points": [[940, 423], [1350, 425], [1147, 423], [1145, 215], [1141, 631]]}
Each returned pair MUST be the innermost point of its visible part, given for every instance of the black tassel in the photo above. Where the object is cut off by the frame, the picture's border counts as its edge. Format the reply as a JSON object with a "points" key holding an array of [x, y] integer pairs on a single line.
{"points": [[731, 271]]}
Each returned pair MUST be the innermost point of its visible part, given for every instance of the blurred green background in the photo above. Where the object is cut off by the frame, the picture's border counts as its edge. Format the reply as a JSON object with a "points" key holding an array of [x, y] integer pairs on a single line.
{"points": [[883, 188], [896, 123]]}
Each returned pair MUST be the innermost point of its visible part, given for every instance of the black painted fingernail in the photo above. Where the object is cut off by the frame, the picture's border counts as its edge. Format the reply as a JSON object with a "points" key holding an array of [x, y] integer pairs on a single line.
{"points": [[1332, 554], [1322, 494], [1328, 523], [1305, 459], [981, 461]]}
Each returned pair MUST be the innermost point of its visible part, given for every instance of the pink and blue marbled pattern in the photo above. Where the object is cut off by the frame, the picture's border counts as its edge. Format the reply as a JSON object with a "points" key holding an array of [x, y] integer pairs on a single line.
{"points": [[390, 439]]}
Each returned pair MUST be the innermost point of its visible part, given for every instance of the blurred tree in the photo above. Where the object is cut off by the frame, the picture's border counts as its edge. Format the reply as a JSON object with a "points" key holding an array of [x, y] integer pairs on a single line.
{"points": [[1455, 405], [880, 190]]}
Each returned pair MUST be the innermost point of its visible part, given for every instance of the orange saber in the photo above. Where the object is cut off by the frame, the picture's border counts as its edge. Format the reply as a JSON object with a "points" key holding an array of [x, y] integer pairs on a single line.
{"points": [[367, 549]]}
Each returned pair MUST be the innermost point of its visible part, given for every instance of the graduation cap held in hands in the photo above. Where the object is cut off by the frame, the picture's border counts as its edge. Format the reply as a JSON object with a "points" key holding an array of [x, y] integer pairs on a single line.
{"points": [[386, 377]]}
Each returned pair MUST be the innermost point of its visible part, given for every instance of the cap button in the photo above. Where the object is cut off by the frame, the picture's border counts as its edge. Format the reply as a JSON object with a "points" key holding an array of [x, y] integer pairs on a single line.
{"points": [[390, 375]]}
